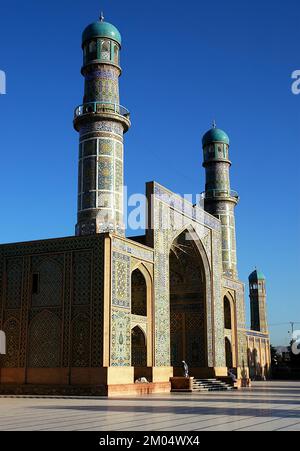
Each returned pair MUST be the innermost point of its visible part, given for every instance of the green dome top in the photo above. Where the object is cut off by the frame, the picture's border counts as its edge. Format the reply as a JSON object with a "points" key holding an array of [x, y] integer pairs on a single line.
{"points": [[256, 275], [101, 29], [215, 135]]}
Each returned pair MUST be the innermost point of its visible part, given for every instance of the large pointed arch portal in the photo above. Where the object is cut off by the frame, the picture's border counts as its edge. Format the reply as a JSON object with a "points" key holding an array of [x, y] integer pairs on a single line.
{"points": [[187, 304]]}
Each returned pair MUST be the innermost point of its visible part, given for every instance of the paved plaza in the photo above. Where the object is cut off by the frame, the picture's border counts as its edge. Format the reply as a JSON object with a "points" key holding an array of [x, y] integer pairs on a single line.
{"points": [[271, 406]]}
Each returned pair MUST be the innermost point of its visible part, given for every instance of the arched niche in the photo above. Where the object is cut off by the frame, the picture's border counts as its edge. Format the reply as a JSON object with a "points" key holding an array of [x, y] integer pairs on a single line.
{"points": [[138, 347], [188, 316], [228, 353], [138, 293], [227, 313]]}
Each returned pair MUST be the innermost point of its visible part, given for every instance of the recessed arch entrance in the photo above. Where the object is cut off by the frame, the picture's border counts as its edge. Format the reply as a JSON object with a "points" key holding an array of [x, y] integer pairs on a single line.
{"points": [[141, 314], [228, 353], [187, 304], [138, 293], [229, 330], [227, 313], [138, 347]]}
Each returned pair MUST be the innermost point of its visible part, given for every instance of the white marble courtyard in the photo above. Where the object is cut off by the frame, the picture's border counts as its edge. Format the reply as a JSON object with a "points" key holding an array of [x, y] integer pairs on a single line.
{"points": [[270, 406]]}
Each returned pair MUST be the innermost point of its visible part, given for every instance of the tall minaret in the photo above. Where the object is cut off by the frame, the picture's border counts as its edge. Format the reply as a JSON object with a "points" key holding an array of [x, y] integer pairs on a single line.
{"points": [[101, 122], [219, 199], [258, 307]]}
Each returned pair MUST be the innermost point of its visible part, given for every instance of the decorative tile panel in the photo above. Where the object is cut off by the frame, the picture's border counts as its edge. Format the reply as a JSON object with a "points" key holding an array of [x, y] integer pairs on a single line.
{"points": [[171, 215], [54, 308], [121, 280], [238, 287], [136, 251], [120, 337], [14, 274]]}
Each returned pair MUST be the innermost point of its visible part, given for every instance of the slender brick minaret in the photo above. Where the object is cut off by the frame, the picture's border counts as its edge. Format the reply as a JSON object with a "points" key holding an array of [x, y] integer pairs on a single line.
{"points": [[101, 122], [258, 307], [220, 200]]}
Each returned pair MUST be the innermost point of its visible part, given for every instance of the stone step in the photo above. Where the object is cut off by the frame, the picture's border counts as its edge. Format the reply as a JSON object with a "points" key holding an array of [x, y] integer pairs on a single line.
{"points": [[210, 389], [210, 385], [213, 387]]}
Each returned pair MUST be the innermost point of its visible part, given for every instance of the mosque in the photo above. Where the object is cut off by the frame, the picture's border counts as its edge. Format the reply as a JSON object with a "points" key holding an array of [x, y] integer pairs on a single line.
{"points": [[95, 312]]}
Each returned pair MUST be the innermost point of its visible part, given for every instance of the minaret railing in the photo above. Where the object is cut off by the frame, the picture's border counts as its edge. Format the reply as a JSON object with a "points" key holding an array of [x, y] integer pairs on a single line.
{"points": [[211, 193], [101, 107]]}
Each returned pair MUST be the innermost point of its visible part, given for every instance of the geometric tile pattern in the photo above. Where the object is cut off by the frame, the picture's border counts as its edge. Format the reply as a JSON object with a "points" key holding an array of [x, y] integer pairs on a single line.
{"points": [[120, 353], [168, 220], [120, 280], [26, 323], [14, 282], [136, 251], [100, 187], [50, 273], [12, 331], [81, 341], [120, 337], [44, 350], [238, 288], [82, 278]]}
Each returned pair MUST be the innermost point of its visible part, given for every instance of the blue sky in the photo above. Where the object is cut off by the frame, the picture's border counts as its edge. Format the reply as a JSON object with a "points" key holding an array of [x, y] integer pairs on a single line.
{"points": [[184, 64]]}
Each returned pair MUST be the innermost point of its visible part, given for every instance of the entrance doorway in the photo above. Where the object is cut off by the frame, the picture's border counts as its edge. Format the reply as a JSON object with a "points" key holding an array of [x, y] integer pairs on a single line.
{"points": [[187, 304], [138, 347]]}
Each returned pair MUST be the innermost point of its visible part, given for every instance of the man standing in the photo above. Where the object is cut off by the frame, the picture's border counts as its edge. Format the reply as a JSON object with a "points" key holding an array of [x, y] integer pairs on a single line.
{"points": [[185, 369]]}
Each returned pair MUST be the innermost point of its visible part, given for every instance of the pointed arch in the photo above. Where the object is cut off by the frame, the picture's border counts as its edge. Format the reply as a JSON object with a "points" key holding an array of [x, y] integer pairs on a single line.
{"points": [[194, 236], [143, 327], [142, 304], [228, 353], [105, 49], [138, 347], [144, 270], [230, 321], [227, 313], [140, 290], [138, 293], [189, 300], [44, 344]]}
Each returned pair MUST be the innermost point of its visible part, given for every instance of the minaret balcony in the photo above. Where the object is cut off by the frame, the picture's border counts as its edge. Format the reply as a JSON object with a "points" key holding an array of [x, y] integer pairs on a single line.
{"points": [[101, 107], [102, 110], [221, 194]]}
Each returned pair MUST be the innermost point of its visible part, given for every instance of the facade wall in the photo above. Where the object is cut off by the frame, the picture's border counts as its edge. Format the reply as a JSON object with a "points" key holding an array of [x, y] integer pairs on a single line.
{"points": [[51, 308], [127, 256], [236, 290], [170, 215], [66, 304], [259, 354]]}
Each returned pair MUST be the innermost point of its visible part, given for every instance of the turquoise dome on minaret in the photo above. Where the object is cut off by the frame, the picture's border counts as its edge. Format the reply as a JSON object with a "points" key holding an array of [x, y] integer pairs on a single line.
{"points": [[215, 135], [101, 29]]}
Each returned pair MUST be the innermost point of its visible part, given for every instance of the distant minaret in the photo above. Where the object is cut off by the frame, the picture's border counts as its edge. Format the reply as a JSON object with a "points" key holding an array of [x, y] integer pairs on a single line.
{"points": [[101, 123], [220, 201], [257, 288]]}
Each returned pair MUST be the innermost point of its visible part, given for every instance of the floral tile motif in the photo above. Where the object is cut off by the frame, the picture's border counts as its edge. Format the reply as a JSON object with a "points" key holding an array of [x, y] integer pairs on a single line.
{"points": [[120, 280]]}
